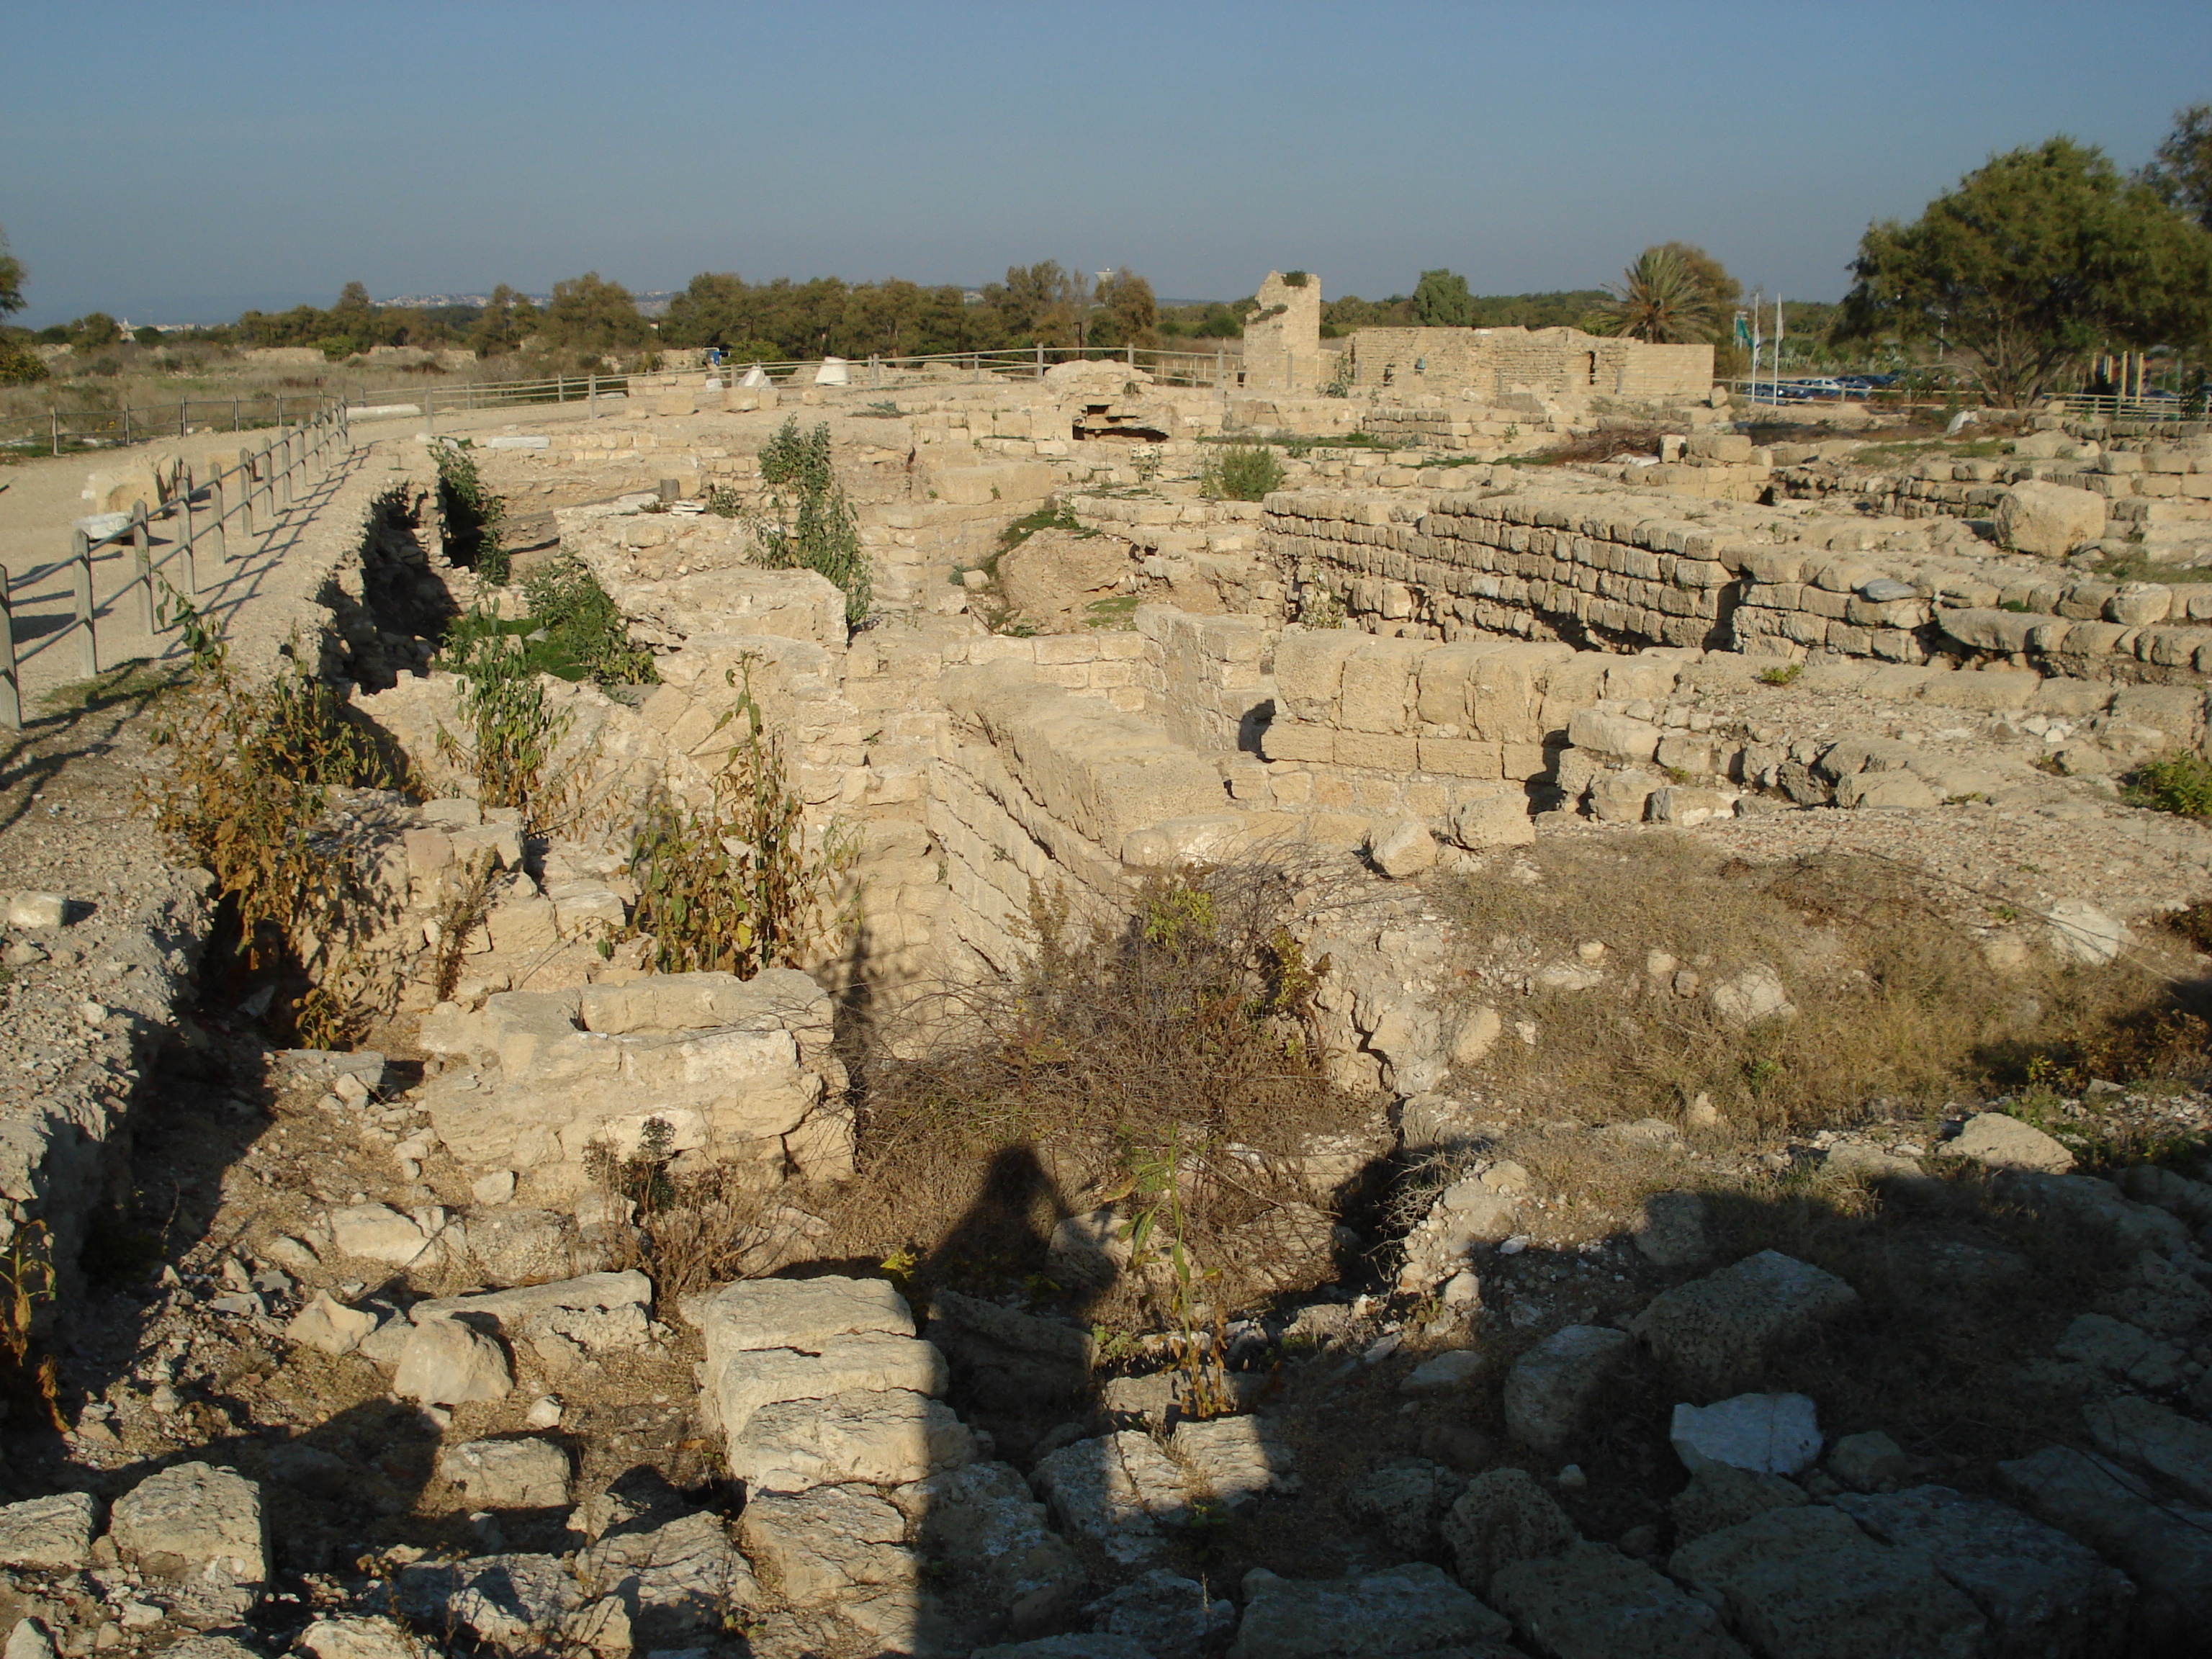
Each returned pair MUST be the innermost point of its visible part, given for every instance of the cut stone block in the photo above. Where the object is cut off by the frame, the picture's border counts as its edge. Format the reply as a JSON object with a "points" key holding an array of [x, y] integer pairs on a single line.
{"points": [[1806, 1582], [1714, 1332], [1551, 1387], [883, 1438], [1766, 1433], [1405, 1613], [204, 1516], [2042, 1592], [54, 1533], [1593, 1602]]}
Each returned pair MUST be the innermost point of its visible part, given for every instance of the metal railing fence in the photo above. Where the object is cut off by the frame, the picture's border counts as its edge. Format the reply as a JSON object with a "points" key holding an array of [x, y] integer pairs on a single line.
{"points": [[270, 474]]}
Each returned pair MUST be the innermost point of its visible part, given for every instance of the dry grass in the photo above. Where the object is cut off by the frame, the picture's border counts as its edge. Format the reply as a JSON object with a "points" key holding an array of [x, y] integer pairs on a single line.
{"points": [[1167, 1061], [1896, 1007]]}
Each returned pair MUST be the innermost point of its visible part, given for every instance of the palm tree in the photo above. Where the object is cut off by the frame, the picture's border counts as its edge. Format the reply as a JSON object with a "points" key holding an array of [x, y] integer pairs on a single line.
{"points": [[1658, 300]]}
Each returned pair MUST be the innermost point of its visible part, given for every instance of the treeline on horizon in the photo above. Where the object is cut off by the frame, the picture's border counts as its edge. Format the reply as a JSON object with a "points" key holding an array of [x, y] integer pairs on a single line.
{"points": [[1043, 304]]}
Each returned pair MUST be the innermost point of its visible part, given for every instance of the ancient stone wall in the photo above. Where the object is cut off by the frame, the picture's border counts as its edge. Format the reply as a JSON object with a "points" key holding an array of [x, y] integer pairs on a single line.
{"points": [[1560, 361], [1282, 340]]}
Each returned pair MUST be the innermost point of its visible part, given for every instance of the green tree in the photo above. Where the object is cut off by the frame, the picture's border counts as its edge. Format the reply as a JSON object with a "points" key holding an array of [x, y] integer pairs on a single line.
{"points": [[93, 330], [11, 279], [503, 323], [2181, 172], [714, 310], [2033, 260], [1128, 315], [1660, 300], [590, 314], [1441, 300], [1722, 292]]}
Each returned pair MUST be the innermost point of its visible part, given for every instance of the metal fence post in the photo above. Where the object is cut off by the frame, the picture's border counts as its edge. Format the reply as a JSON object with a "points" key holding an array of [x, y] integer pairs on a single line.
{"points": [[142, 569], [246, 492], [288, 469], [11, 684]]}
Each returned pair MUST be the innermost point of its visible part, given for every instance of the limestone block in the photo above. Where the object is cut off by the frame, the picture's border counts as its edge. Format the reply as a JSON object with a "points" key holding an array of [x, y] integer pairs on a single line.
{"points": [[2155, 1439], [600, 1312], [1498, 820], [2080, 933], [1503, 1516], [206, 1517], [1291, 740], [983, 1521], [376, 1232], [49, 1533], [1552, 1385], [882, 1439], [446, 1362], [1377, 685], [1615, 736], [1404, 1612], [1237, 1459], [1999, 1142], [2048, 519], [1161, 1616], [2168, 1553], [1621, 797], [330, 1325], [1720, 1495], [1807, 1581], [1117, 1489], [508, 1474], [1404, 848], [1686, 808], [1898, 791], [1462, 757], [1714, 1332], [674, 1582], [508, 1600], [1593, 1602], [824, 1545], [1309, 671], [1766, 1433], [2041, 1591], [873, 1362]]}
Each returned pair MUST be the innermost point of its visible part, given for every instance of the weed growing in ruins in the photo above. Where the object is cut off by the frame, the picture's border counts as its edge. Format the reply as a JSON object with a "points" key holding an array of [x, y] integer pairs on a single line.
{"points": [[1173, 1047], [474, 516], [688, 1229], [2180, 783], [736, 888], [1239, 472], [725, 503], [27, 1278], [512, 730], [811, 527], [247, 795], [583, 630], [1787, 674]]}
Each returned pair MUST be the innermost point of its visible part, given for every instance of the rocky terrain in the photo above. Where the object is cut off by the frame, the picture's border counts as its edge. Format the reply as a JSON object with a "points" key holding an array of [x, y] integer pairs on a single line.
{"points": [[1658, 1288]]}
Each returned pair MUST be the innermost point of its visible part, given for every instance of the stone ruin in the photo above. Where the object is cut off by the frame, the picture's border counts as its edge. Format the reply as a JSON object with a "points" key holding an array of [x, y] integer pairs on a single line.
{"points": [[1405, 659]]}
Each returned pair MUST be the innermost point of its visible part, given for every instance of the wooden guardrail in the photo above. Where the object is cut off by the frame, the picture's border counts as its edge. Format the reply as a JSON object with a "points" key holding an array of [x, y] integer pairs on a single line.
{"points": [[269, 476]]}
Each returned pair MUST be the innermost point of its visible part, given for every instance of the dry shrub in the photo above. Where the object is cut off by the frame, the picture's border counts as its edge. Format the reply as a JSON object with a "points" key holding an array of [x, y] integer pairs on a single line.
{"points": [[248, 794], [1167, 1061], [691, 1229], [1895, 1001]]}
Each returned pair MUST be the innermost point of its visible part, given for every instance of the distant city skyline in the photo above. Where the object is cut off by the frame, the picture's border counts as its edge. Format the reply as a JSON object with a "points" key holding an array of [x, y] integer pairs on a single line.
{"points": [[252, 155]]}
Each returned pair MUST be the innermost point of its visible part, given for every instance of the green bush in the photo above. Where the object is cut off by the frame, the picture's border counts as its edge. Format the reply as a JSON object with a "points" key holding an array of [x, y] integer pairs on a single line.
{"points": [[2179, 783], [584, 635], [473, 514], [811, 525], [1241, 472]]}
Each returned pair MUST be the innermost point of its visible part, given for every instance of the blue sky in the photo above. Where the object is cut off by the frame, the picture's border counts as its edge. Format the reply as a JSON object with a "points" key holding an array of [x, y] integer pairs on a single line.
{"points": [[177, 162]]}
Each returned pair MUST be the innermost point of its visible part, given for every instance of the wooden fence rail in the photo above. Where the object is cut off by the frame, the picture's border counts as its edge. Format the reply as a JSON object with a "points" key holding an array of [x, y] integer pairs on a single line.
{"points": [[269, 475]]}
